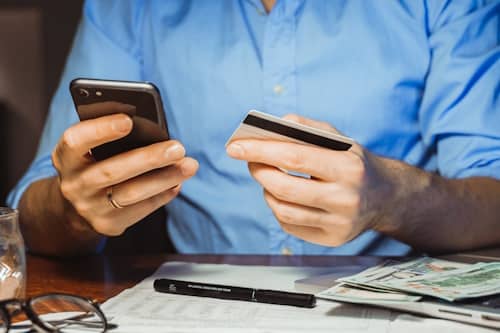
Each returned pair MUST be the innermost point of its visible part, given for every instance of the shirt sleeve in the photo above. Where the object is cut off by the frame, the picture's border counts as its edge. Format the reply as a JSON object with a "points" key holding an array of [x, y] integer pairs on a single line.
{"points": [[105, 47], [460, 110]]}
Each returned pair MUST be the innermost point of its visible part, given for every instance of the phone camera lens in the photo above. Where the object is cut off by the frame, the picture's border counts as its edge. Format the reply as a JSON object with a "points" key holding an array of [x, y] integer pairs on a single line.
{"points": [[83, 92]]}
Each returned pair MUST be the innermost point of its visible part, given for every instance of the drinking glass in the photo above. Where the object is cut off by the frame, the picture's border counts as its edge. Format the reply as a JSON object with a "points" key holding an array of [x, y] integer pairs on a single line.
{"points": [[12, 257]]}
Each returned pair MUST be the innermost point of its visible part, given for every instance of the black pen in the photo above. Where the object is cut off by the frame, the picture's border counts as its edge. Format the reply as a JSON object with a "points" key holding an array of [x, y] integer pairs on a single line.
{"points": [[234, 293]]}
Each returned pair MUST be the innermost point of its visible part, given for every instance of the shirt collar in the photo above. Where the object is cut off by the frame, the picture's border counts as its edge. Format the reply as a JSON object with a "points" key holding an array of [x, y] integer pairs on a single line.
{"points": [[290, 5], [257, 4]]}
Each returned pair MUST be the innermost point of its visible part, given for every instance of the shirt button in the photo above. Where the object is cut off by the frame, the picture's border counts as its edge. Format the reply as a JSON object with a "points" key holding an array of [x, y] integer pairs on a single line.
{"points": [[286, 251], [278, 89]]}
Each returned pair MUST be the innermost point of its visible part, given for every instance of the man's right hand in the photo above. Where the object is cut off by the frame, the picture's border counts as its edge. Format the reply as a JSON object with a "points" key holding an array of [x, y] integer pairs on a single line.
{"points": [[141, 180]]}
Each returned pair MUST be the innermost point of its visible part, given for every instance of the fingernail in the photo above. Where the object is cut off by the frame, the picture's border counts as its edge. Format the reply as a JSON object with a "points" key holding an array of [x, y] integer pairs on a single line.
{"points": [[188, 167], [122, 124], [235, 150], [175, 189], [174, 152]]}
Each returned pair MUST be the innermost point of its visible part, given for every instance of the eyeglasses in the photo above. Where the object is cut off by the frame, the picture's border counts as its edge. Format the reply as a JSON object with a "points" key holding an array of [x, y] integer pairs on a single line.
{"points": [[51, 313]]}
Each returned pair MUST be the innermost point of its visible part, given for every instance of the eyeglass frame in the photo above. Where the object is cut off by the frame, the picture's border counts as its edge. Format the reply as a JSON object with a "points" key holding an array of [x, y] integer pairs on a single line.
{"points": [[37, 323]]}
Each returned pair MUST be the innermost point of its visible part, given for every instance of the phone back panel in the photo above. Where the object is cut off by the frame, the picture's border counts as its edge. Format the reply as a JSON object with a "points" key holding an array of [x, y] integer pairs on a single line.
{"points": [[140, 101]]}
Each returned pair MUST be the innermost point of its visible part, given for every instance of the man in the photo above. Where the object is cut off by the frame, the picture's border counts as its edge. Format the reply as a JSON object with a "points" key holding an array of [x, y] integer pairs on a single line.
{"points": [[416, 84]]}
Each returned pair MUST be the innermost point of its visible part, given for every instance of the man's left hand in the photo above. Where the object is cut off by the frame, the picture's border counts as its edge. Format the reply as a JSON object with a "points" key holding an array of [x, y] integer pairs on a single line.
{"points": [[348, 191]]}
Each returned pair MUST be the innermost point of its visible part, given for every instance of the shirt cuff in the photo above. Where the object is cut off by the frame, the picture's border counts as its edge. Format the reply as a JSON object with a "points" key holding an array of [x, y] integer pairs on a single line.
{"points": [[40, 169]]}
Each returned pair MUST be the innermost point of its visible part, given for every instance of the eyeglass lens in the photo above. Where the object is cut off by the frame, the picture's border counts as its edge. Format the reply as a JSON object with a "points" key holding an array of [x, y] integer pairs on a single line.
{"points": [[61, 313], [68, 313]]}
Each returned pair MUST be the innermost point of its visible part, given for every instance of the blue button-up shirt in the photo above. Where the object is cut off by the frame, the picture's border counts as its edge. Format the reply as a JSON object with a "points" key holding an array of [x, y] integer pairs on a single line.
{"points": [[412, 80]]}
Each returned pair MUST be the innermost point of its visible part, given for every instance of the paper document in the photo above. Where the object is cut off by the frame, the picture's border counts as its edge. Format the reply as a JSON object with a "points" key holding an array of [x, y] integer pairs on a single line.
{"points": [[166, 313], [141, 309], [262, 277]]}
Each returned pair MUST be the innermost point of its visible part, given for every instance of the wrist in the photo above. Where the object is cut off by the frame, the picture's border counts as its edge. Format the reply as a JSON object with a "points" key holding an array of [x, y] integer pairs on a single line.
{"points": [[73, 222], [406, 199], [49, 226]]}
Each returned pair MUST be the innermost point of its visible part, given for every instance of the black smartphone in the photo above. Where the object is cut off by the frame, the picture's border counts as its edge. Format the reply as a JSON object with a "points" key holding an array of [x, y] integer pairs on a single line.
{"points": [[140, 100]]}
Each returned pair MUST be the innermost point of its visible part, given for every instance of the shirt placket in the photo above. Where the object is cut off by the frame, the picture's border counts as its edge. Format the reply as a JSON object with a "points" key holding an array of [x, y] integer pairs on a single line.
{"points": [[280, 89]]}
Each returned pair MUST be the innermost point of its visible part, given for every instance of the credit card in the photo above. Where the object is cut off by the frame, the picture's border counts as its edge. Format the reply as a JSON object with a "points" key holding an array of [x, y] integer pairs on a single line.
{"points": [[264, 126]]}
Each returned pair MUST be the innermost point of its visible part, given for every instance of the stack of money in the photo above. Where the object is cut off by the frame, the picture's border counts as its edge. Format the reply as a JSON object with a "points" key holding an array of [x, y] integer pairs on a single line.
{"points": [[407, 281], [481, 279]]}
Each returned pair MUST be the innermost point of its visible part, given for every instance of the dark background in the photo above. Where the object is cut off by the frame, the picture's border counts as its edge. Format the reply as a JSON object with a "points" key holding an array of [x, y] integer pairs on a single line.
{"points": [[35, 37]]}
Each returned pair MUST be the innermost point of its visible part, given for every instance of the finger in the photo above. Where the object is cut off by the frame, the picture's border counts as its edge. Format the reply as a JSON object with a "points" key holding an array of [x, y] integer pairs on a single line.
{"points": [[293, 189], [154, 182], [312, 123], [117, 220], [310, 234], [130, 164], [290, 213], [316, 235], [330, 197], [318, 162], [72, 149]]}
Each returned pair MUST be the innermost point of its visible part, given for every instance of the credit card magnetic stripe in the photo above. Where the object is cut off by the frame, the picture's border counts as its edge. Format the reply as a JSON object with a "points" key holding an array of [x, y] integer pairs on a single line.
{"points": [[295, 133]]}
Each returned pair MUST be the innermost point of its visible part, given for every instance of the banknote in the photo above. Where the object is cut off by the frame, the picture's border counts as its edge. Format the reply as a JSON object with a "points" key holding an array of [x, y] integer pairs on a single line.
{"points": [[347, 293], [481, 279], [377, 278]]}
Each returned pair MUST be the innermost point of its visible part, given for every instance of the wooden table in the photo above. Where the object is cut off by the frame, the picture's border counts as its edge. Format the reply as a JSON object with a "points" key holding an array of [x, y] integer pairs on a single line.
{"points": [[101, 277]]}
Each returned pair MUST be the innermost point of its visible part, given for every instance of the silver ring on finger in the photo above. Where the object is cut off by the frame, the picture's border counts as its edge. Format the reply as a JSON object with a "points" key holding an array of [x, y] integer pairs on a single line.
{"points": [[111, 200]]}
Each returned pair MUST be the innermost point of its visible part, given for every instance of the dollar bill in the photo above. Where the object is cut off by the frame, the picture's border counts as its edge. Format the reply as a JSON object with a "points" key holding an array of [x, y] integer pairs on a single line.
{"points": [[377, 278], [347, 293], [476, 280]]}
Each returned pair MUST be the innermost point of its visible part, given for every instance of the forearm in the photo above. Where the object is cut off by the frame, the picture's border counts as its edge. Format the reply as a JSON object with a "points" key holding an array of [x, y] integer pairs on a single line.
{"points": [[50, 225], [435, 214]]}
